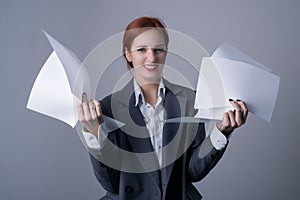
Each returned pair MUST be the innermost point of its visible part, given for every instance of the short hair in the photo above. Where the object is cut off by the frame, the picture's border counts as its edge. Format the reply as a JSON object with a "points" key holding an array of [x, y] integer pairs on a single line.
{"points": [[137, 27]]}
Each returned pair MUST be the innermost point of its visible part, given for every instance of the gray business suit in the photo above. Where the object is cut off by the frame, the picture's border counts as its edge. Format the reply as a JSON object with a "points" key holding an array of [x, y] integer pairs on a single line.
{"points": [[173, 181]]}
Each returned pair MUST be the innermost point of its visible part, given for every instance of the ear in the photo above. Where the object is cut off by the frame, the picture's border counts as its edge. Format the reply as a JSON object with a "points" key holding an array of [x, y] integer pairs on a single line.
{"points": [[128, 55]]}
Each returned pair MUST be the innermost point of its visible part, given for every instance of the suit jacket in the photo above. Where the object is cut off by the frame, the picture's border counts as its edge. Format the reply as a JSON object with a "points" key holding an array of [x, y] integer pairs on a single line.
{"points": [[184, 159]]}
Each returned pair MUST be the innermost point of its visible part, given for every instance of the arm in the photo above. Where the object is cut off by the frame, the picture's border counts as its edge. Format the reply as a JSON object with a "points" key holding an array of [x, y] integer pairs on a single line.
{"points": [[96, 136], [102, 155], [205, 153], [108, 178]]}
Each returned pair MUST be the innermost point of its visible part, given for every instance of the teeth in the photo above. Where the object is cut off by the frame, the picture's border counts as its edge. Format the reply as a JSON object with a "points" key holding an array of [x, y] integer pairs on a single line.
{"points": [[150, 66]]}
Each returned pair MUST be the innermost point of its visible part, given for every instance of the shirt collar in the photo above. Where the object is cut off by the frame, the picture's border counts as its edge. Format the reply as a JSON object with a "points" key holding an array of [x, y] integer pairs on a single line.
{"points": [[139, 97]]}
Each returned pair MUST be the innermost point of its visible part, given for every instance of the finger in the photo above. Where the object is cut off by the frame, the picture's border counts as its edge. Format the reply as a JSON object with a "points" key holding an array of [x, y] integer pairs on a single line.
{"points": [[239, 118], [244, 108], [98, 111], [84, 98], [235, 104], [81, 117], [92, 108], [98, 107], [80, 113], [226, 121], [231, 115], [86, 111]]}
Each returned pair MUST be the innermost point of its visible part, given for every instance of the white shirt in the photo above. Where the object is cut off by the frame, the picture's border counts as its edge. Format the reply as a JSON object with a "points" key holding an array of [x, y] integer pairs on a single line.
{"points": [[154, 120], [153, 116]]}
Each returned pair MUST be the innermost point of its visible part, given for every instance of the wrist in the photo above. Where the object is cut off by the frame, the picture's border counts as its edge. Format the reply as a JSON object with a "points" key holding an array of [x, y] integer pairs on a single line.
{"points": [[226, 132], [92, 131]]}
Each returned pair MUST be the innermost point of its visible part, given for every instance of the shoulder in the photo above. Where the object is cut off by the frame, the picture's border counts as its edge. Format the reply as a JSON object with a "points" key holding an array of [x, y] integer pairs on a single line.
{"points": [[183, 95], [120, 97], [181, 91]]}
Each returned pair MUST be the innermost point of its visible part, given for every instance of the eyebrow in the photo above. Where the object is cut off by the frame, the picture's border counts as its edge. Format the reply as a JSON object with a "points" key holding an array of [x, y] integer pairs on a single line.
{"points": [[159, 45]]}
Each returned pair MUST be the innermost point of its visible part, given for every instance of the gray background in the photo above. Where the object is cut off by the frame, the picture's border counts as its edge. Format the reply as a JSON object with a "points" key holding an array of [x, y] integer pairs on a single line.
{"points": [[42, 158]]}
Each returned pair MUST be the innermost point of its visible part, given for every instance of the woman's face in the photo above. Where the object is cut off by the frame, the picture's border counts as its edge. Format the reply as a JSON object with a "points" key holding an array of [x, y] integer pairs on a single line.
{"points": [[148, 54]]}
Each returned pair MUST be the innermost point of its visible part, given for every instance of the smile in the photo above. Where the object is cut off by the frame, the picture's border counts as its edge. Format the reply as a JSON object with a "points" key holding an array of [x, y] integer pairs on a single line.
{"points": [[150, 66]]}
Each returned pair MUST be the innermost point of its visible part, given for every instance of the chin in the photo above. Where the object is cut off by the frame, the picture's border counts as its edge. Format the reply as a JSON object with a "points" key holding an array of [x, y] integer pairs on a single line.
{"points": [[149, 78]]}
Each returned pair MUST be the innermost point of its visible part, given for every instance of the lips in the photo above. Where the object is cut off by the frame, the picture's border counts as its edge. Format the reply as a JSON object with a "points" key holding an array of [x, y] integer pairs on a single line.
{"points": [[150, 66]]}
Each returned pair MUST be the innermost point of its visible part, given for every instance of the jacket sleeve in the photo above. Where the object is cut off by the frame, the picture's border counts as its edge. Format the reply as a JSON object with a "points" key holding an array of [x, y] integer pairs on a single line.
{"points": [[106, 176], [202, 156], [100, 160]]}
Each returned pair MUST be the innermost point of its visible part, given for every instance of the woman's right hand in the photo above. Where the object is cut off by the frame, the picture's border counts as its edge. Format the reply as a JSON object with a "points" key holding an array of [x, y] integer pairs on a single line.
{"points": [[90, 115]]}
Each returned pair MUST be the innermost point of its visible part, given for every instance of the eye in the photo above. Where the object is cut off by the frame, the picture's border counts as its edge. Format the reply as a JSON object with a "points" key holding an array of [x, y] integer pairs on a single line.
{"points": [[142, 49], [159, 50]]}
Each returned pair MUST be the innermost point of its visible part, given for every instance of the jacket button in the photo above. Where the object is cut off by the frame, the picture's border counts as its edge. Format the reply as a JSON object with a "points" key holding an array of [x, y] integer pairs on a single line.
{"points": [[128, 189]]}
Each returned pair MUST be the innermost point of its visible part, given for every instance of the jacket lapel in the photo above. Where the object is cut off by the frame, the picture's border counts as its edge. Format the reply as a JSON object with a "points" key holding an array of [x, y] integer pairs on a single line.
{"points": [[128, 113], [135, 128], [175, 106]]}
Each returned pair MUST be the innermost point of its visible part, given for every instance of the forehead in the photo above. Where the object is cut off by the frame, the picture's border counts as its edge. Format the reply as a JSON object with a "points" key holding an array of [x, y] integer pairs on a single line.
{"points": [[151, 38]]}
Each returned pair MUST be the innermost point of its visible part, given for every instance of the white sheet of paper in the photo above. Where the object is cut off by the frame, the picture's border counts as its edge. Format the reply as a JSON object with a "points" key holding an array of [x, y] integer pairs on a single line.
{"points": [[187, 120], [59, 86], [78, 77], [228, 51], [223, 78], [51, 94]]}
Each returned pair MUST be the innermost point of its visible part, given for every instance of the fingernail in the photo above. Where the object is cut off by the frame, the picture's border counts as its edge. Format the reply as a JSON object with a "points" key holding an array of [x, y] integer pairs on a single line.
{"points": [[84, 93], [230, 99], [238, 100]]}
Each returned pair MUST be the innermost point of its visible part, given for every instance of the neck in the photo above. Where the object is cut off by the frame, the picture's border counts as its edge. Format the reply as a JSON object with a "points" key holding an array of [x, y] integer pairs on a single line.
{"points": [[150, 91]]}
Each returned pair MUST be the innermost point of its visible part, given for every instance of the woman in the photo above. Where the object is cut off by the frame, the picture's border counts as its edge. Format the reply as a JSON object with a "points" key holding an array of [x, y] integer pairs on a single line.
{"points": [[142, 105]]}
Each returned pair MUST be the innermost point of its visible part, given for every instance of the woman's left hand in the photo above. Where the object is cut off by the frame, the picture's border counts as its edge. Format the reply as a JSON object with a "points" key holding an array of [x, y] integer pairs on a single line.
{"points": [[233, 119]]}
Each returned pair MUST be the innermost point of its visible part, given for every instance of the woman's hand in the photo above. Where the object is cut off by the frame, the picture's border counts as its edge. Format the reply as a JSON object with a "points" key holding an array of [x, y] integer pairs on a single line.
{"points": [[233, 119], [90, 115]]}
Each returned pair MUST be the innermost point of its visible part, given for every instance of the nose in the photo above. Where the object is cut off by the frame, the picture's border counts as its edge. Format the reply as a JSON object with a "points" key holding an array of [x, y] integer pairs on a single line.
{"points": [[151, 55]]}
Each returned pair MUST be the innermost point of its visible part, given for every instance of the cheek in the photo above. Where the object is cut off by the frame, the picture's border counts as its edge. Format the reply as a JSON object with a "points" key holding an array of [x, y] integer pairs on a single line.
{"points": [[137, 60], [162, 57]]}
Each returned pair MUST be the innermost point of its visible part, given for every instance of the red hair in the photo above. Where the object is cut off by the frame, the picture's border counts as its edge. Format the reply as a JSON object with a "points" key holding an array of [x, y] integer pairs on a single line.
{"points": [[137, 27]]}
